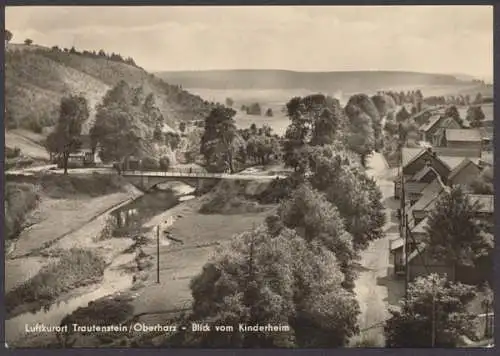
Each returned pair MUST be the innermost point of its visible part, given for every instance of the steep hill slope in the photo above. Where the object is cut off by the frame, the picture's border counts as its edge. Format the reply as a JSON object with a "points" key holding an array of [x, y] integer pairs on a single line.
{"points": [[37, 78], [352, 81]]}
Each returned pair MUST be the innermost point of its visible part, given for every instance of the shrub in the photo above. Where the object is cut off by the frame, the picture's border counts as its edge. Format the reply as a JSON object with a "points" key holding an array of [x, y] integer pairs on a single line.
{"points": [[20, 200], [75, 268], [35, 126], [12, 152]]}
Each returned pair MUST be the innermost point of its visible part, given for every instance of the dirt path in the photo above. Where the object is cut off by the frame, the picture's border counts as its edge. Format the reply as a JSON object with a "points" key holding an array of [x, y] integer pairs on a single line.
{"points": [[375, 286]]}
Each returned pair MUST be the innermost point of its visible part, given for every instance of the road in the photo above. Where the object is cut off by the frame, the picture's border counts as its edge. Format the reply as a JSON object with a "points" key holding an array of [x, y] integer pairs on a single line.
{"points": [[376, 287]]}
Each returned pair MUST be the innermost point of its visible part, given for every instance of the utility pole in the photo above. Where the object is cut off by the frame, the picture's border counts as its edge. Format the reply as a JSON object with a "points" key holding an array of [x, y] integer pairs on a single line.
{"points": [[433, 331], [158, 254]]}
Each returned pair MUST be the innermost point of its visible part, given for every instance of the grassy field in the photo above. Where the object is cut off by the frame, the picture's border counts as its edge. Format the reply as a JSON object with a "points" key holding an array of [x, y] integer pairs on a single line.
{"points": [[179, 262]]}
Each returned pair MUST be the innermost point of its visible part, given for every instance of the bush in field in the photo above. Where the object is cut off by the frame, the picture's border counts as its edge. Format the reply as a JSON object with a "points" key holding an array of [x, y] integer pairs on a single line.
{"points": [[110, 226], [75, 268]]}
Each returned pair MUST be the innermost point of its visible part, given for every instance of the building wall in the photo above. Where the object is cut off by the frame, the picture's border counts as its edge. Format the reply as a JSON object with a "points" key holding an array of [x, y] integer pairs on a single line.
{"points": [[459, 144]]}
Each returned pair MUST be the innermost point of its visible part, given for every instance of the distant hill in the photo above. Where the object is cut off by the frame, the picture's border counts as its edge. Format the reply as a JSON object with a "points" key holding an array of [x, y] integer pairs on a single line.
{"points": [[37, 77], [352, 81]]}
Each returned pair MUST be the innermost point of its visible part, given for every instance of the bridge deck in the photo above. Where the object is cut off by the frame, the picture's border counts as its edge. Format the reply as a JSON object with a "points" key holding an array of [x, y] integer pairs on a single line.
{"points": [[199, 175]]}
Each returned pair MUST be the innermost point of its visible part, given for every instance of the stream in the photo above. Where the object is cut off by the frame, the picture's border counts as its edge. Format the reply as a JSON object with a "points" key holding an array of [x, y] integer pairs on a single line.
{"points": [[129, 218]]}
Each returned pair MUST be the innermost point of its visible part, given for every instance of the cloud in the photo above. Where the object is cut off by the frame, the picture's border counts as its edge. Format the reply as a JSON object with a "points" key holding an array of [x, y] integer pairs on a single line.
{"points": [[419, 38]]}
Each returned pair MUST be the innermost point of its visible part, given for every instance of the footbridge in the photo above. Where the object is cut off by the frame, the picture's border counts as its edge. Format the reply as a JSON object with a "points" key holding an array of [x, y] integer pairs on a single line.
{"points": [[146, 180]]}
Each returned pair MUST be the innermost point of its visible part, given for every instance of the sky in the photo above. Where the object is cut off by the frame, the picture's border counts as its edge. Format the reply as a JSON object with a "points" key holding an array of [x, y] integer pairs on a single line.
{"points": [[433, 39]]}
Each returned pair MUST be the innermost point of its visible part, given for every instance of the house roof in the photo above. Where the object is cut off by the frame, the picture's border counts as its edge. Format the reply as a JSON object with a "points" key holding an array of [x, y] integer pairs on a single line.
{"points": [[465, 162], [420, 228], [414, 187], [454, 162], [422, 173], [447, 121], [486, 202], [429, 194], [433, 120], [463, 135], [457, 152], [396, 243], [409, 154]]}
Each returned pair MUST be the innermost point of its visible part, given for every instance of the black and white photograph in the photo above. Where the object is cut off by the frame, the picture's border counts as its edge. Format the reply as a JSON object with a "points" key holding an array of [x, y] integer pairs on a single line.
{"points": [[216, 177]]}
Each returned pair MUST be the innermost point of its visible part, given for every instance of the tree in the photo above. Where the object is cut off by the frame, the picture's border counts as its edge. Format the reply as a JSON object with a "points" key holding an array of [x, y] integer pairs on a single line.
{"points": [[479, 99], [402, 115], [434, 315], [182, 126], [454, 233], [475, 116], [347, 186], [280, 279], [314, 218], [219, 136], [361, 137], [229, 102], [269, 112], [28, 41], [254, 109], [452, 111], [65, 139], [483, 184], [384, 103], [8, 35], [327, 126], [164, 163]]}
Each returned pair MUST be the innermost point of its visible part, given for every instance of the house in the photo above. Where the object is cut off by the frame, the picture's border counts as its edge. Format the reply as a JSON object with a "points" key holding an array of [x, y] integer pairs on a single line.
{"points": [[421, 166], [464, 173], [486, 160], [85, 155], [433, 130], [487, 138], [463, 138], [425, 115], [416, 170], [420, 262]]}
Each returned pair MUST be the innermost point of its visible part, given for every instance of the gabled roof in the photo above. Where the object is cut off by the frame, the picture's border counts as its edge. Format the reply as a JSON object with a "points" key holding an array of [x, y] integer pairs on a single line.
{"points": [[429, 194], [465, 163], [422, 173], [447, 121], [463, 135], [433, 120], [410, 154], [414, 187], [486, 202]]}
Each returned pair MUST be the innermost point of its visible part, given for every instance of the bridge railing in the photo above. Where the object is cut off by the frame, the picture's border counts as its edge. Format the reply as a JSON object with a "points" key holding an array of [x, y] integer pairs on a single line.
{"points": [[175, 173]]}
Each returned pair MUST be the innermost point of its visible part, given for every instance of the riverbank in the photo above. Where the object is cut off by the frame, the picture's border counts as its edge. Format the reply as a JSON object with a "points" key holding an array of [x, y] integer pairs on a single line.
{"points": [[188, 239]]}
